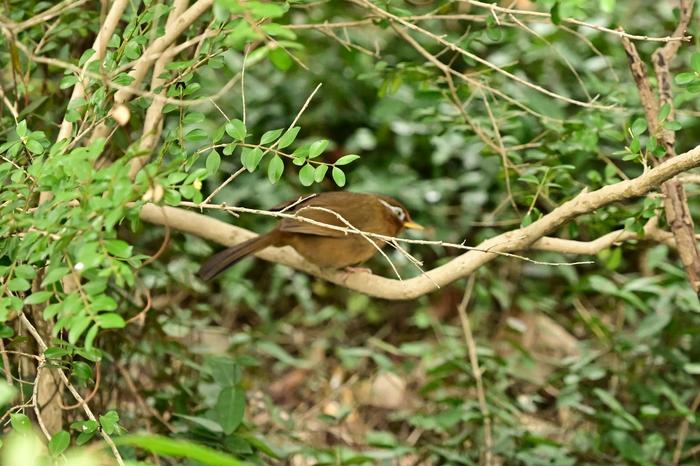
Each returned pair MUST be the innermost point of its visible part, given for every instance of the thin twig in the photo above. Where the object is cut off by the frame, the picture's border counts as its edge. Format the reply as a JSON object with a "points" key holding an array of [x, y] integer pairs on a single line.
{"points": [[683, 431], [294, 122], [441, 40], [42, 347], [617, 32], [348, 230], [476, 371]]}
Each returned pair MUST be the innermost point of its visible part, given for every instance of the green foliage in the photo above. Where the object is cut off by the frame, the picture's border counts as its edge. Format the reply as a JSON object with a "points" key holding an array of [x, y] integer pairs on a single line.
{"points": [[269, 365]]}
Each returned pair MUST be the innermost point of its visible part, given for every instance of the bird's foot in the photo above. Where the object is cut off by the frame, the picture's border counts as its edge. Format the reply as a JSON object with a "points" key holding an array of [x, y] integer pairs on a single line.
{"points": [[347, 271], [350, 270]]}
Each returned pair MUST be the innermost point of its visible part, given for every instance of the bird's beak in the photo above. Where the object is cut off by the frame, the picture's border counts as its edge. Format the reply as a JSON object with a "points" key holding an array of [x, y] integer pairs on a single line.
{"points": [[413, 225]]}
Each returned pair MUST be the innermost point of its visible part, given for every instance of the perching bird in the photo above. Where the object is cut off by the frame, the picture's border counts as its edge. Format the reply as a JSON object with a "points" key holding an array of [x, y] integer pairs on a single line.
{"points": [[325, 247]]}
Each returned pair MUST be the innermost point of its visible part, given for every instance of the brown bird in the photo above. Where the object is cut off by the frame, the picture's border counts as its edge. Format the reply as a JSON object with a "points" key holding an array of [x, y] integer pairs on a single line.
{"points": [[325, 247]]}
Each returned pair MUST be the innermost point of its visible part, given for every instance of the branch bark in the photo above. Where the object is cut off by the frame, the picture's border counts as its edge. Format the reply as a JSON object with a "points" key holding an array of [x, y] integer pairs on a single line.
{"points": [[675, 201]]}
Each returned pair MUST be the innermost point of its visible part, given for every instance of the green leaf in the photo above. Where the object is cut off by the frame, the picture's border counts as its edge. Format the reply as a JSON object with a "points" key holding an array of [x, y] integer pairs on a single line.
{"points": [[196, 135], [90, 336], [21, 129], [250, 158], [109, 421], [20, 423], [34, 146], [118, 248], [635, 145], [695, 62], [607, 6], [289, 136], [213, 162], [84, 438], [85, 426], [114, 41], [110, 320], [320, 173], [602, 285], [132, 50], [639, 126], [236, 129], [102, 302], [555, 13], [652, 324], [306, 175], [275, 169], [346, 159], [684, 78], [25, 271], [270, 136], [58, 443], [266, 10], [18, 284], [664, 111], [277, 30], [179, 448], [192, 118], [38, 297], [67, 81], [673, 126], [7, 392], [317, 148], [229, 148], [280, 58], [611, 402], [240, 35], [338, 176], [493, 29], [229, 408], [86, 56], [54, 275], [692, 368], [77, 328]]}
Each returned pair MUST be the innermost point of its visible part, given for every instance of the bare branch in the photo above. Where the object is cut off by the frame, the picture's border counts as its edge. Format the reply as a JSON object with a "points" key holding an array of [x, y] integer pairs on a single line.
{"points": [[42, 347]]}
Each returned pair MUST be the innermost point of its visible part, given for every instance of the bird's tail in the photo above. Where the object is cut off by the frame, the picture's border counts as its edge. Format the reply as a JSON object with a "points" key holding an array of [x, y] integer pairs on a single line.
{"points": [[229, 256]]}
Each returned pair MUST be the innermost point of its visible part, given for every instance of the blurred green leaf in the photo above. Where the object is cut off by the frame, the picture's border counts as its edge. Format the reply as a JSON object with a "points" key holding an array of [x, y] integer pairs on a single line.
{"points": [[178, 448], [275, 169]]}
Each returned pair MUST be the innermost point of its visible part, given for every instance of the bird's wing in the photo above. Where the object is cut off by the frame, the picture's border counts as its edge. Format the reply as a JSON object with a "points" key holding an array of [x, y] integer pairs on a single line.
{"points": [[289, 225]]}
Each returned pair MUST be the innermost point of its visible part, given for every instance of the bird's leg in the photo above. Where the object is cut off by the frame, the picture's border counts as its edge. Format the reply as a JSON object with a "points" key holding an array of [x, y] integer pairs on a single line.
{"points": [[351, 270], [358, 270]]}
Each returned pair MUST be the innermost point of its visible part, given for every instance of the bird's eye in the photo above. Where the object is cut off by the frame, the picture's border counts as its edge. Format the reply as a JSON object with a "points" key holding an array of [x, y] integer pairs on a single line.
{"points": [[398, 211]]}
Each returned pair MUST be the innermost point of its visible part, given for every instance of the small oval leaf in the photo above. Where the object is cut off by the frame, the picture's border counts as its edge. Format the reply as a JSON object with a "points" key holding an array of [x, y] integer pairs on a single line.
{"points": [[275, 169], [338, 176]]}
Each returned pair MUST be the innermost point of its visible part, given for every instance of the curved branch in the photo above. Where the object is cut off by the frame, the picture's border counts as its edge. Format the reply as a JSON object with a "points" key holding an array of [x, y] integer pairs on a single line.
{"points": [[459, 267]]}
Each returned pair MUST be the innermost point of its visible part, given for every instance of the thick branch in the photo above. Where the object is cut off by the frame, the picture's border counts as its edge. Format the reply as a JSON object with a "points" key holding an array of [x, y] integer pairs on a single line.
{"points": [[153, 123], [100, 45], [459, 267], [150, 55]]}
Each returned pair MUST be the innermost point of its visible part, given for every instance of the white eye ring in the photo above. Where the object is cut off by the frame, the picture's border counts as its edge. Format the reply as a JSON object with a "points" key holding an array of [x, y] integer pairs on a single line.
{"points": [[398, 211]]}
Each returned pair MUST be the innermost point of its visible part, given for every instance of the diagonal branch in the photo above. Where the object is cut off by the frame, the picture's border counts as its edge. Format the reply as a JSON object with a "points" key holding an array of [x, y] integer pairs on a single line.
{"points": [[461, 266]]}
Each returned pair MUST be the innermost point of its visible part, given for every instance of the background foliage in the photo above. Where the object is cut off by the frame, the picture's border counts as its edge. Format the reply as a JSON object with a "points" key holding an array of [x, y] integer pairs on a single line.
{"points": [[588, 364]]}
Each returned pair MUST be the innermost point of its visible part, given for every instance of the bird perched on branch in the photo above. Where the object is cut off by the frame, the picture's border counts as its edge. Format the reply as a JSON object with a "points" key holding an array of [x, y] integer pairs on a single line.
{"points": [[325, 247]]}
